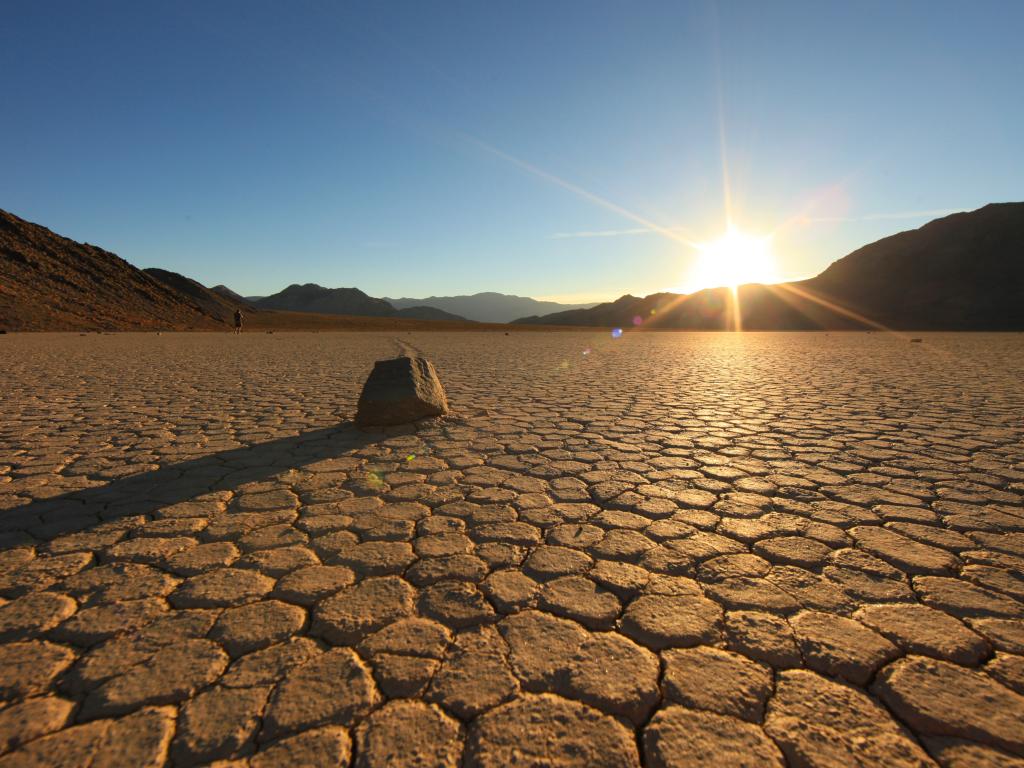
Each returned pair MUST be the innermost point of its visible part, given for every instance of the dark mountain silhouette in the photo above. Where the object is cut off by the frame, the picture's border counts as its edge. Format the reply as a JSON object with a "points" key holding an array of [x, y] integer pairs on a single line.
{"points": [[51, 283], [206, 300], [344, 301], [226, 293], [333, 301], [961, 272], [489, 307]]}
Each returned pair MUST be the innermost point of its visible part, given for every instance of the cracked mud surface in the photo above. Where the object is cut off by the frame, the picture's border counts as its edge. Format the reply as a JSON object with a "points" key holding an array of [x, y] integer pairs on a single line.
{"points": [[675, 549]]}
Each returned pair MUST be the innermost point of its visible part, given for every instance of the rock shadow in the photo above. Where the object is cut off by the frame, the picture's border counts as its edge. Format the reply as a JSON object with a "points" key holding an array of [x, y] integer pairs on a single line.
{"points": [[43, 520]]}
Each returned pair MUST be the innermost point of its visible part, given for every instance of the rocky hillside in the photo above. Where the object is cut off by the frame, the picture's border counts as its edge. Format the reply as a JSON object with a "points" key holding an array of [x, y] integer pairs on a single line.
{"points": [[51, 283], [48, 282], [208, 301], [226, 293], [963, 272]]}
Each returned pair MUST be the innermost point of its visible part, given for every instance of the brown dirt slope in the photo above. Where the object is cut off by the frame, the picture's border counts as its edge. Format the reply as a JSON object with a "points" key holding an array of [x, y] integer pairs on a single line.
{"points": [[52, 283]]}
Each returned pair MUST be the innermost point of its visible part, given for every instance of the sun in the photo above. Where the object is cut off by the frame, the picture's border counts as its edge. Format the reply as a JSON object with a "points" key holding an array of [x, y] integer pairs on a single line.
{"points": [[733, 259]]}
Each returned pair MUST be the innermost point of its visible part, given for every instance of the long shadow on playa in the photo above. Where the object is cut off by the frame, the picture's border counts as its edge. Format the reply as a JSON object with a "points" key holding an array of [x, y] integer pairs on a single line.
{"points": [[147, 492]]}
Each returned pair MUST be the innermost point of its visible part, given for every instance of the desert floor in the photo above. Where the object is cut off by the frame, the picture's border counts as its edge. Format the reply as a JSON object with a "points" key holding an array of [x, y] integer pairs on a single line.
{"points": [[665, 549]]}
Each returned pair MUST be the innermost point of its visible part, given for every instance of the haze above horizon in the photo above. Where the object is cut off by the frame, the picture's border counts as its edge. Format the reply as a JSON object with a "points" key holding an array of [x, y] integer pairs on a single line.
{"points": [[573, 151]]}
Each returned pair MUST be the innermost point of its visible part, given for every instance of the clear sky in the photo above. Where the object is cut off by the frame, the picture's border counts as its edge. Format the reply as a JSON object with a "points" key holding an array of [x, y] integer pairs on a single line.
{"points": [[552, 149]]}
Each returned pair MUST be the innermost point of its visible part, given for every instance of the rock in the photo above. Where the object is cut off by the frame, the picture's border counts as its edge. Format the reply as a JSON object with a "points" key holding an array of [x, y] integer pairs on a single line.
{"points": [[399, 391], [941, 699], [679, 738], [821, 722], [551, 731]]}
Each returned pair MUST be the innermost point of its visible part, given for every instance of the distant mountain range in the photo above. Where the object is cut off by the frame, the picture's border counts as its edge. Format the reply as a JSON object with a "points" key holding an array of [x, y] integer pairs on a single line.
{"points": [[51, 283], [960, 272], [489, 307], [343, 301]]}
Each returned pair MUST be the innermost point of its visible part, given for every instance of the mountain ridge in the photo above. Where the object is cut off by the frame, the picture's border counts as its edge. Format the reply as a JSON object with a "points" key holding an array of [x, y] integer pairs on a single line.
{"points": [[49, 282], [311, 297], [960, 272], [964, 271], [489, 306], [52, 283]]}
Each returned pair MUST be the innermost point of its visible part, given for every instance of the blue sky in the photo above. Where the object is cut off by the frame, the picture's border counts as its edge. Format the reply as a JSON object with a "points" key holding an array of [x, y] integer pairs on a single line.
{"points": [[549, 149]]}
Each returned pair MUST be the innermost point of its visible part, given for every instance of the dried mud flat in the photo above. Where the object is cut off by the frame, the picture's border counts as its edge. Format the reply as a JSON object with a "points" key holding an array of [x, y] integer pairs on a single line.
{"points": [[666, 549]]}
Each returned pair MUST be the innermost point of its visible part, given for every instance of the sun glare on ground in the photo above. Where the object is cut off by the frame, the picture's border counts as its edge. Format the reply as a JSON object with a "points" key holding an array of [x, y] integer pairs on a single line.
{"points": [[733, 259]]}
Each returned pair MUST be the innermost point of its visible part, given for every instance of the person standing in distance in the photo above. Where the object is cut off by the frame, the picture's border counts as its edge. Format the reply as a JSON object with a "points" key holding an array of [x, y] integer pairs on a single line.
{"points": [[238, 321]]}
